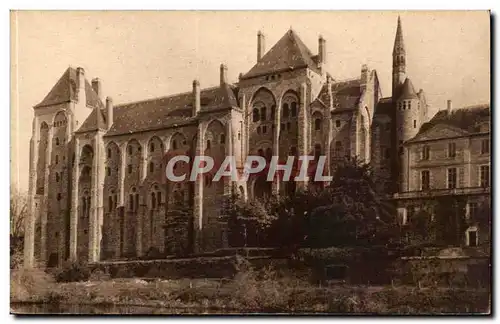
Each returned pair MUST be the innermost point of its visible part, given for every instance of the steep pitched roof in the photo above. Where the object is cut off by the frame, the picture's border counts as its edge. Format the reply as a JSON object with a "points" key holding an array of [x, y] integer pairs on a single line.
{"points": [[95, 121], [467, 118], [407, 91], [288, 53], [345, 95], [65, 90], [169, 111]]}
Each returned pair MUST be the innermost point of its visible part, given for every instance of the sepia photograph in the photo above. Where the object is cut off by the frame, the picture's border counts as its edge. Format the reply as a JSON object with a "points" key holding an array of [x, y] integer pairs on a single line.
{"points": [[250, 162]]}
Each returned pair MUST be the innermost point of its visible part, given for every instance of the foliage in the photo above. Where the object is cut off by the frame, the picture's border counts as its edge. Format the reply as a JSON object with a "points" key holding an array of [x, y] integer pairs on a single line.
{"points": [[179, 229], [18, 214], [449, 224], [29, 285], [72, 271], [348, 211]]}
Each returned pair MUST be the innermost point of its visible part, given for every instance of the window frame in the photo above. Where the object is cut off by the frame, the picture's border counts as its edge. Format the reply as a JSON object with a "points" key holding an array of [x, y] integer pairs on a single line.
{"points": [[428, 182], [454, 177]]}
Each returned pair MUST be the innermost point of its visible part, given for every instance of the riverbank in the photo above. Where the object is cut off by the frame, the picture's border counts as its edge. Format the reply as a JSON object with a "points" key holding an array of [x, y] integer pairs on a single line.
{"points": [[248, 292]]}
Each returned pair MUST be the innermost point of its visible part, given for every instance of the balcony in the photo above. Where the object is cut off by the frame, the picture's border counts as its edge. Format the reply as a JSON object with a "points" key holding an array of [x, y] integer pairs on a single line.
{"points": [[442, 192]]}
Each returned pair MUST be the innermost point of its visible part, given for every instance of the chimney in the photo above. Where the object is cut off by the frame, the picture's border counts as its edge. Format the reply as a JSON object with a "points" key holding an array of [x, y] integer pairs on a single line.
{"points": [[196, 97], [364, 76], [329, 82], [321, 50], [223, 74], [261, 45], [109, 110], [449, 106], [81, 95], [97, 86]]}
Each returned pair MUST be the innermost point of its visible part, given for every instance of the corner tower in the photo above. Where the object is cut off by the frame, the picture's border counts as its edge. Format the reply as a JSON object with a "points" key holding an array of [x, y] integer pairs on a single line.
{"points": [[398, 61]]}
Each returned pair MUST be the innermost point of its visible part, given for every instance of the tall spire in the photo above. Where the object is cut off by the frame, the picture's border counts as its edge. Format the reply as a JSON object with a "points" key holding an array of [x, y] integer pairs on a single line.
{"points": [[398, 60], [399, 44]]}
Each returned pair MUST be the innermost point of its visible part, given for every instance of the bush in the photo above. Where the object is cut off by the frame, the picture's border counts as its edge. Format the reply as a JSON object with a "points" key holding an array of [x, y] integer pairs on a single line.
{"points": [[73, 271], [29, 285]]}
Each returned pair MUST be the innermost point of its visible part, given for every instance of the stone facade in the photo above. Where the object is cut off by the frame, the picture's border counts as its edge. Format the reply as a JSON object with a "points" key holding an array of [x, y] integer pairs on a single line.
{"points": [[97, 184]]}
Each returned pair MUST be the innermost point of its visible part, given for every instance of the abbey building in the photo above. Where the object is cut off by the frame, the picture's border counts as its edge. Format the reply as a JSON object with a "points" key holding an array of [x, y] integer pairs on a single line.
{"points": [[97, 188]]}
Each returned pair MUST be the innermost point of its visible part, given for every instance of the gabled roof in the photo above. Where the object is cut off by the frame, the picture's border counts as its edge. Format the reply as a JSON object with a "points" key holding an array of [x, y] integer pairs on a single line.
{"points": [[169, 111], [467, 118], [95, 121], [288, 53], [66, 89], [345, 95], [407, 91], [464, 121]]}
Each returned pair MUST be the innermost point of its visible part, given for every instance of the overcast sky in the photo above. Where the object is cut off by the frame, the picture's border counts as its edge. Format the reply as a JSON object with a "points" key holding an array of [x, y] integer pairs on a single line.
{"points": [[139, 55]]}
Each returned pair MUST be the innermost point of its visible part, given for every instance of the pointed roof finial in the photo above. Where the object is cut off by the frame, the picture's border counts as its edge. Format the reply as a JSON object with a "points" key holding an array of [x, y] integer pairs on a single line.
{"points": [[399, 45]]}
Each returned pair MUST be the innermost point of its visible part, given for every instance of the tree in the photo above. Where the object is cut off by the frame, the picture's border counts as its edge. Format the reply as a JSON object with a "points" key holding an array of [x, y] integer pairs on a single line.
{"points": [[248, 221], [18, 215], [351, 210]]}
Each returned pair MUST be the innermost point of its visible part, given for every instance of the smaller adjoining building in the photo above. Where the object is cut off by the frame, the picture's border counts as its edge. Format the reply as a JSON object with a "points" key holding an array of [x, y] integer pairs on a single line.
{"points": [[447, 168]]}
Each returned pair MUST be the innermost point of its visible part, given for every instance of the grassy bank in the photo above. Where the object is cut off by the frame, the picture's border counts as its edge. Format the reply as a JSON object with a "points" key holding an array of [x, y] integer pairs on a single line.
{"points": [[249, 291]]}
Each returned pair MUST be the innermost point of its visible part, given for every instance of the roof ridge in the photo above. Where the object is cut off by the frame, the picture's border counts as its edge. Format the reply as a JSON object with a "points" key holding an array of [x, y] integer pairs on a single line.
{"points": [[346, 80], [166, 97]]}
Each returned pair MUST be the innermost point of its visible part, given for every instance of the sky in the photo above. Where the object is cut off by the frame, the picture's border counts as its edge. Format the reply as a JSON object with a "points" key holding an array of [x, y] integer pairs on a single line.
{"points": [[147, 54]]}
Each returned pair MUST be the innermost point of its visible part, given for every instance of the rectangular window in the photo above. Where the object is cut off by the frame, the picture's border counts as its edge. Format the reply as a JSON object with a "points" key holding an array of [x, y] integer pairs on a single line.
{"points": [[485, 176], [485, 146], [452, 178], [452, 150], [426, 152], [425, 180]]}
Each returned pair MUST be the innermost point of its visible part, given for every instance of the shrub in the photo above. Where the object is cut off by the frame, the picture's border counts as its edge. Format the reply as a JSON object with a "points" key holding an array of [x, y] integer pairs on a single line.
{"points": [[72, 271], [29, 285], [99, 275]]}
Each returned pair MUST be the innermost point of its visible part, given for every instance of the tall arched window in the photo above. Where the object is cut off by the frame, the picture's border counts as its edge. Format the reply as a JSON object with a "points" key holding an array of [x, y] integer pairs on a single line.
{"points": [[151, 167], [273, 112], [269, 154], [286, 112], [152, 147], [293, 106], [256, 116], [110, 203], [174, 145], [222, 139], [57, 141], [317, 151], [153, 200], [317, 124], [263, 113]]}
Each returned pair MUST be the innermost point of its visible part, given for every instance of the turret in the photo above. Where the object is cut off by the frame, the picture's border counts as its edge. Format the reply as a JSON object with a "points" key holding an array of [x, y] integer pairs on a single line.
{"points": [[407, 112]]}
